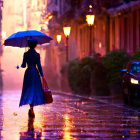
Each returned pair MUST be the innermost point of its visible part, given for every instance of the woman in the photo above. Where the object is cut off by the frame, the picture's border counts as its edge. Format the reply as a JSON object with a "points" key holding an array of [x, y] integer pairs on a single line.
{"points": [[32, 92]]}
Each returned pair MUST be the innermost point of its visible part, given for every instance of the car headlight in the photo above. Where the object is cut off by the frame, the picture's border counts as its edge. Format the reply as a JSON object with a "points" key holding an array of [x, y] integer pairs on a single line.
{"points": [[134, 81]]}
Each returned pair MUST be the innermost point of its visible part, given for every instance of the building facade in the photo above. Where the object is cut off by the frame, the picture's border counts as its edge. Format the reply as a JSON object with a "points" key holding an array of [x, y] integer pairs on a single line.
{"points": [[125, 27], [116, 27]]}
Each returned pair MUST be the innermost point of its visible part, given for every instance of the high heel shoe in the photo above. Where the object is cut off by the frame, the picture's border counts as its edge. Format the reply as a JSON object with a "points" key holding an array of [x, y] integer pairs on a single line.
{"points": [[31, 113]]}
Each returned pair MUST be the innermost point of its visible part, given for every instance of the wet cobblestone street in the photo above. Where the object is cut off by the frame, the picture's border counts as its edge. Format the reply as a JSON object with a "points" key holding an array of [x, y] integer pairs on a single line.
{"points": [[69, 117], [92, 48]]}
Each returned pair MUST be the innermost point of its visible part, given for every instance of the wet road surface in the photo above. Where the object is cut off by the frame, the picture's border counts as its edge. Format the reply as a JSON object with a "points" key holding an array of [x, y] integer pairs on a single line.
{"points": [[68, 118]]}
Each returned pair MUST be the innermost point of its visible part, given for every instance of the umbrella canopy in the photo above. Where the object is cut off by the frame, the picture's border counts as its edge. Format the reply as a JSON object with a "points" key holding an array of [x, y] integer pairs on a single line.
{"points": [[20, 39]]}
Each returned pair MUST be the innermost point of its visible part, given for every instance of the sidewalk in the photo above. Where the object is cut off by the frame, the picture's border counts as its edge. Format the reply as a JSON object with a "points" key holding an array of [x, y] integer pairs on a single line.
{"points": [[69, 117]]}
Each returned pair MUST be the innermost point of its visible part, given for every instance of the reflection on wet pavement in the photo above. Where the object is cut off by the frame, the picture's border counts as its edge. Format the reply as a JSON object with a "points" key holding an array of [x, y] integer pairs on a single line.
{"points": [[68, 118]]}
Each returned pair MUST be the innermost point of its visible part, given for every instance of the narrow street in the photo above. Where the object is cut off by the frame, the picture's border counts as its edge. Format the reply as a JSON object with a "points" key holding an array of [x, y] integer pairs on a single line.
{"points": [[69, 117]]}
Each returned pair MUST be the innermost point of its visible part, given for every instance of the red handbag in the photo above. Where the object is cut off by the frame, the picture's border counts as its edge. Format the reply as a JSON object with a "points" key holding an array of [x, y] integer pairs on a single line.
{"points": [[47, 91]]}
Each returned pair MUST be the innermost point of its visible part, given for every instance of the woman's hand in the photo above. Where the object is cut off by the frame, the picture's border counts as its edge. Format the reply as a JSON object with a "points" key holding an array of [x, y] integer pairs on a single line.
{"points": [[43, 77], [17, 66]]}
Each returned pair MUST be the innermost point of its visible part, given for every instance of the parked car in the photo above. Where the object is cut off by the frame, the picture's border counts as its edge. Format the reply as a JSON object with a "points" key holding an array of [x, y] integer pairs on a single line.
{"points": [[131, 82]]}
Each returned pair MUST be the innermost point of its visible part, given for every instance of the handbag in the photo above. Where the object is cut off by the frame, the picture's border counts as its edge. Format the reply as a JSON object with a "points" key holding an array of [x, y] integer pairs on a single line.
{"points": [[47, 92]]}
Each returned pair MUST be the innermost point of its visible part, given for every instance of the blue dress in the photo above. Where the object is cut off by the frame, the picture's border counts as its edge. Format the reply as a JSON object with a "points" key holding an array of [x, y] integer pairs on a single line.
{"points": [[32, 91]]}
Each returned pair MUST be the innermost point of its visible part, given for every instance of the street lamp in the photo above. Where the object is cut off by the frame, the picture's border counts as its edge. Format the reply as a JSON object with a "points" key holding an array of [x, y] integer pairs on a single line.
{"points": [[58, 37], [90, 21], [67, 30]]}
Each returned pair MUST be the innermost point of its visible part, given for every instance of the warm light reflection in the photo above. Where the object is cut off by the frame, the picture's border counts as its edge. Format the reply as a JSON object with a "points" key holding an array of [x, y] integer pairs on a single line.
{"points": [[15, 119], [100, 45], [67, 127], [10, 126]]}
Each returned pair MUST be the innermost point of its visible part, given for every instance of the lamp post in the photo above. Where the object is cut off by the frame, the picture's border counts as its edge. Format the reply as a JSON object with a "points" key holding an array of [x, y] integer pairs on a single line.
{"points": [[90, 21], [58, 37], [67, 30]]}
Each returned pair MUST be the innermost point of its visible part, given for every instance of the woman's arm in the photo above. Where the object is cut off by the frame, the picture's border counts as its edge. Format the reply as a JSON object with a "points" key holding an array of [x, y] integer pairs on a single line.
{"points": [[23, 65], [39, 66]]}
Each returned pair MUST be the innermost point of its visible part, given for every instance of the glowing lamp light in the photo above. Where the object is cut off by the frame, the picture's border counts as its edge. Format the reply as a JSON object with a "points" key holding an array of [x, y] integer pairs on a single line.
{"points": [[90, 16], [67, 30], [134, 81], [90, 19], [58, 37]]}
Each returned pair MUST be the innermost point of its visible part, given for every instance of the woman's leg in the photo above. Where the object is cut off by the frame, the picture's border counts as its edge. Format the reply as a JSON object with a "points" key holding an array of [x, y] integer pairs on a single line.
{"points": [[31, 111], [31, 106]]}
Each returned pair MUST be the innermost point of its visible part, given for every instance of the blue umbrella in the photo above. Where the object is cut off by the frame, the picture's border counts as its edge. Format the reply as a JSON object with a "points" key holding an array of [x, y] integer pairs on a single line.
{"points": [[20, 39]]}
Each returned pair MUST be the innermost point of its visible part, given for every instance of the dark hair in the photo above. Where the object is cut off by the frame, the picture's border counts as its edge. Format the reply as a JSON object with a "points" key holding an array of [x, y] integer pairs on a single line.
{"points": [[32, 43]]}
